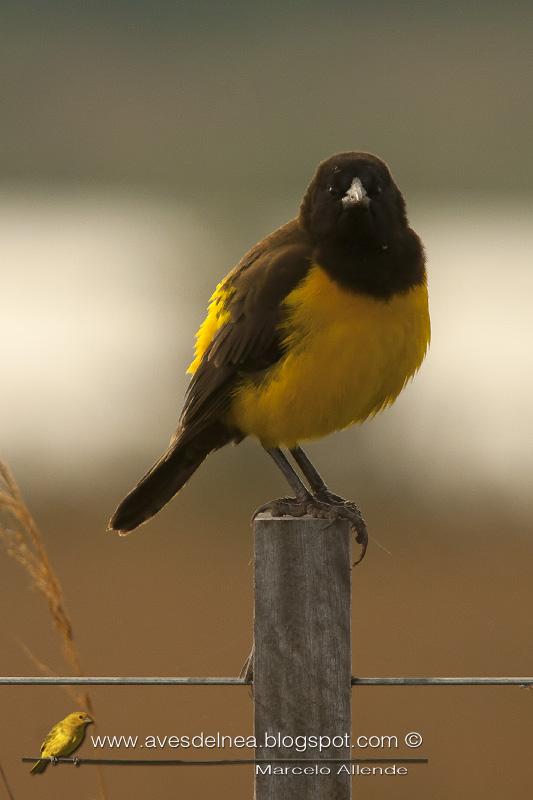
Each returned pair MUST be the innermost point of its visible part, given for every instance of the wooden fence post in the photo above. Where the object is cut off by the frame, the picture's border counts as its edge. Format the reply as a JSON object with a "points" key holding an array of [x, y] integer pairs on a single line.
{"points": [[302, 662]]}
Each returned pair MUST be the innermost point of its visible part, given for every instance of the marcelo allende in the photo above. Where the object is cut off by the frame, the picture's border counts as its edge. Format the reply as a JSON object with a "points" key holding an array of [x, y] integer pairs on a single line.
{"points": [[342, 769]]}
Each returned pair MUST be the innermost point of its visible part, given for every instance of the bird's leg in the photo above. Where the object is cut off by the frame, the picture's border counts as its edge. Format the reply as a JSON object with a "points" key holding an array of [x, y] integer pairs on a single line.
{"points": [[339, 506], [54, 760], [322, 504], [296, 506], [290, 475], [76, 761], [316, 482]]}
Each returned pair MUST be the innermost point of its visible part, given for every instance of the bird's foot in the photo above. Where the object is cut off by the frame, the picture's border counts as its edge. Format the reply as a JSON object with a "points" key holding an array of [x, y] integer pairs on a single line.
{"points": [[323, 505], [287, 507], [345, 509], [54, 760], [76, 761]]}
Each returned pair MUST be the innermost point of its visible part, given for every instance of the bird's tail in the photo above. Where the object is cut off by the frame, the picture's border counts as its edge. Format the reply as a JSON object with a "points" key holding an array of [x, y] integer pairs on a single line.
{"points": [[39, 766], [167, 476]]}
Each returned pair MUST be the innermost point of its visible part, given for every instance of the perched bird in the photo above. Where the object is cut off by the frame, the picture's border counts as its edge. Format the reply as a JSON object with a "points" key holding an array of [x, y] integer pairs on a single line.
{"points": [[318, 327], [63, 739]]}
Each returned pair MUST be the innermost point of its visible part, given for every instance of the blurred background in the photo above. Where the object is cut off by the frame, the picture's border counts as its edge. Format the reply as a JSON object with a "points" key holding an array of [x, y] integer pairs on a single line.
{"points": [[144, 147]]}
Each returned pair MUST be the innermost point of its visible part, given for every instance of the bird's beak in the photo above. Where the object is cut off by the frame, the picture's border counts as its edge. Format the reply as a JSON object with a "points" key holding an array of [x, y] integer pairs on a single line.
{"points": [[356, 195]]}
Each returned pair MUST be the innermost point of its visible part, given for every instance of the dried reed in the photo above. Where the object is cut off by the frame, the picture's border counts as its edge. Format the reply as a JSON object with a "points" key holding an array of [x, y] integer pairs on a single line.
{"points": [[24, 542], [6, 784]]}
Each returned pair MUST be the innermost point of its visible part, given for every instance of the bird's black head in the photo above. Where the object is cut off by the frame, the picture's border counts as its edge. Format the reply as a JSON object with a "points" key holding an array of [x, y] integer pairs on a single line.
{"points": [[353, 195], [355, 215]]}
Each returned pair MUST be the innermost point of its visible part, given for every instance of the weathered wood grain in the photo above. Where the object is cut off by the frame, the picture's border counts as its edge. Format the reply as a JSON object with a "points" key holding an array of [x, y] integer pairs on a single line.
{"points": [[302, 663]]}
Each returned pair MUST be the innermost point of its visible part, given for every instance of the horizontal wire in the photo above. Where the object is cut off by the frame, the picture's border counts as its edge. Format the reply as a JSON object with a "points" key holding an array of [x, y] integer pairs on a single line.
{"points": [[172, 681], [170, 762], [113, 680], [459, 681]]}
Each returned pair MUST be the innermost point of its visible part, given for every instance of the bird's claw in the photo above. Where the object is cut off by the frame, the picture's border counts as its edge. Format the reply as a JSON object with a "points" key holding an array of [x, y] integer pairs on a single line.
{"points": [[54, 760], [76, 761], [345, 509], [285, 507], [325, 505]]}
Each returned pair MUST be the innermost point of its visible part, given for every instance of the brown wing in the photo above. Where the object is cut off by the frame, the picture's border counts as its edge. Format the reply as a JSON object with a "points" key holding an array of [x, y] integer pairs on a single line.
{"points": [[250, 340]]}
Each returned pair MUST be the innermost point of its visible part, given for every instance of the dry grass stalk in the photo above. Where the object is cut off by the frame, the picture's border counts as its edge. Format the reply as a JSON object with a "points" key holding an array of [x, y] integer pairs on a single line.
{"points": [[6, 784], [24, 543]]}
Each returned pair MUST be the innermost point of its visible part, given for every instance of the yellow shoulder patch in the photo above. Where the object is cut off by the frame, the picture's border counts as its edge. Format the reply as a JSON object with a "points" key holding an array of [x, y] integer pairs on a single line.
{"points": [[217, 316]]}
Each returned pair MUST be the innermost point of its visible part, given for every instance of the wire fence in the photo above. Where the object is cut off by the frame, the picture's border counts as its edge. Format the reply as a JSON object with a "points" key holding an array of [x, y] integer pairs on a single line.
{"points": [[231, 762], [112, 680]]}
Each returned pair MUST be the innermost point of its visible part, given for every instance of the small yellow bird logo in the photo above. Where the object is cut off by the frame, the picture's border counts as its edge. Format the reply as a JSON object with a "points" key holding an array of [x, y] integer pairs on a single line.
{"points": [[63, 739]]}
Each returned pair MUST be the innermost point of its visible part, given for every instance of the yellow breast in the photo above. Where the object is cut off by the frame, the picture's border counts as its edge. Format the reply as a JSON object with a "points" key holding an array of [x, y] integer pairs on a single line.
{"points": [[347, 356]]}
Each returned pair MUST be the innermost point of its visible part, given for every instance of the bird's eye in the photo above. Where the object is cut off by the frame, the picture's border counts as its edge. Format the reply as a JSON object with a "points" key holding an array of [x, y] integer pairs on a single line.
{"points": [[334, 191], [379, 189], [81, 716]]}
